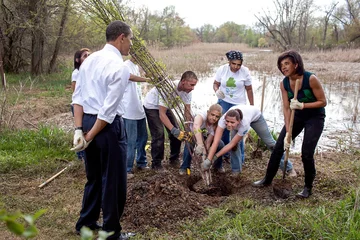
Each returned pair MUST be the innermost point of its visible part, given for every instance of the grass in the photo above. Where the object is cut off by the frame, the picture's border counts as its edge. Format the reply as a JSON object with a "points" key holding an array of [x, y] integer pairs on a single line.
{"points": [[201, 58], [30, 155], [33, 148], [297, 221]]}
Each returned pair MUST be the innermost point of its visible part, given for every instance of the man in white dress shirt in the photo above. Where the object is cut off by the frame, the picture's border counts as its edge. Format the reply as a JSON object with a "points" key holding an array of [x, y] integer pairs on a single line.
{"points": [[98, 113]]}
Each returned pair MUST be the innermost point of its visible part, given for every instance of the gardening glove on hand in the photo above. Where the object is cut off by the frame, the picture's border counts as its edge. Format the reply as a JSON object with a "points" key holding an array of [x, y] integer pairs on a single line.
{"points": [[79, 141], [220, 94], [205, 165], [181, 135], [199, 149], [287, 142], [295, 104]]}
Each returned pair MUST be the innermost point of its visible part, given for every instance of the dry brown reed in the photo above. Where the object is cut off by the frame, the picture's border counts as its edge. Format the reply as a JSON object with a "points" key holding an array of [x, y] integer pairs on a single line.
{"points": [[337, 65], [200, 58], [330, 66]]}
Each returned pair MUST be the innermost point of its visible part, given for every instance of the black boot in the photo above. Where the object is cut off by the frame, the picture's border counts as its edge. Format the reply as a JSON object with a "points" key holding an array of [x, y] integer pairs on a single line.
{"points": [[262, 183], [305, 193]]}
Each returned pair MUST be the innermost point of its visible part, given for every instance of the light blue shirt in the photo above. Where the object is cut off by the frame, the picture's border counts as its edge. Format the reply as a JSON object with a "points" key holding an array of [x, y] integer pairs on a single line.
{"points": [[101, 84]]}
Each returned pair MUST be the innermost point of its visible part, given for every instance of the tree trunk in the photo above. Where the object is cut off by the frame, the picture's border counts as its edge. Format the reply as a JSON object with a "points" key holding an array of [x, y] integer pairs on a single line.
{"points": [[59, 38], [2, 74], [38, 10]]}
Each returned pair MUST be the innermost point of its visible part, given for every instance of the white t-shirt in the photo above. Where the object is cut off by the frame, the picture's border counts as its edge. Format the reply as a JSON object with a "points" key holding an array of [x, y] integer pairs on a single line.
{"points": [[152, 99], [132, 99], [101, 84], [233, 84], [74, 75], [210, 129], [250, 114]]}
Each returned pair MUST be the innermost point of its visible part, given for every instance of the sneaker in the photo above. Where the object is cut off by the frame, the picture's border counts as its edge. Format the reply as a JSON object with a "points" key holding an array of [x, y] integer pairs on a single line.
{"points": [[126, 236], [291, 173], [130, 176], [235, 174], [145, 168], [220, 170], [182, 171]]}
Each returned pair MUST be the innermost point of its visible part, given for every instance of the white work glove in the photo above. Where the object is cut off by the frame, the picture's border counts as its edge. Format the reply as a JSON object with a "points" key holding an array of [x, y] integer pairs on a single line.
{"points": [[287, 142], [199, 149], [79, 142], [205, 165], [295, 104], [220, 94]]}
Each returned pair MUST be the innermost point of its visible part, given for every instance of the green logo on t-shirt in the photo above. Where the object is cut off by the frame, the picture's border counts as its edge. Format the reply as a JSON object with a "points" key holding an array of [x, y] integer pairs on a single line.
{"points": [[230, 85]]}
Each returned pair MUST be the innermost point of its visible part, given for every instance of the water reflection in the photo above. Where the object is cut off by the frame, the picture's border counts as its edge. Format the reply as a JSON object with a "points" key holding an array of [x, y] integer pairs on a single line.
{"points": [[342, 126]]}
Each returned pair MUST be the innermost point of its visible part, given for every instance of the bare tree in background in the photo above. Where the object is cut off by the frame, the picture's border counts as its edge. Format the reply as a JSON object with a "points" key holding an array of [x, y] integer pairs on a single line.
{"points": [[328, 14], [287, 26], [59, 37], [38, 19]]}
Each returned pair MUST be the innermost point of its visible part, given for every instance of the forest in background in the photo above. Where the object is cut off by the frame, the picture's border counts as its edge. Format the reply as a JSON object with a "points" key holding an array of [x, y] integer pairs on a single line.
{"points": [[36, 34]]}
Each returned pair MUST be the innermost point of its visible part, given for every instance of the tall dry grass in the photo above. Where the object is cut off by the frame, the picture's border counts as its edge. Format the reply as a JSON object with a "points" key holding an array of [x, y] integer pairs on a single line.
{"points": [[200, 58]]}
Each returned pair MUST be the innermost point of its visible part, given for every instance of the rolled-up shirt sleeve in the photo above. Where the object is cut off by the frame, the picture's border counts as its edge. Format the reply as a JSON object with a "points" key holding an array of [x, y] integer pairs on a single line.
{"points": [[118, 81]]}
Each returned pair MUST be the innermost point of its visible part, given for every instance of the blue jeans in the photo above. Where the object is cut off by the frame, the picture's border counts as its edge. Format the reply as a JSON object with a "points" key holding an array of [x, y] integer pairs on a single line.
{"points": [[187, 156], [262, 130], [226, 134], [137, 137]]}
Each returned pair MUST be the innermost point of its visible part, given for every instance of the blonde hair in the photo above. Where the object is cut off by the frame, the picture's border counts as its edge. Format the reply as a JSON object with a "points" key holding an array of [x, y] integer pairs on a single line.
{"points": [[215, 107]]}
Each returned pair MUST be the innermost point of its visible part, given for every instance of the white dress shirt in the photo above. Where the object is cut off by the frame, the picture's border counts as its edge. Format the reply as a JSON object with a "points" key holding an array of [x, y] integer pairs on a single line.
{"points": [[101, 84], [132, 100]]}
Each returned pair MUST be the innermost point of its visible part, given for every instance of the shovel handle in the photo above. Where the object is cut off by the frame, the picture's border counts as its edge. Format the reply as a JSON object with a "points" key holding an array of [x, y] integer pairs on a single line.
{"points": [[291, 123]]}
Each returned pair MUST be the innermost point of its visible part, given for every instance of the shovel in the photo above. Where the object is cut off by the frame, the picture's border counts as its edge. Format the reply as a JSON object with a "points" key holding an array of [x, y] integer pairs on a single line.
{"points": [[283, 188], [290, 128]]}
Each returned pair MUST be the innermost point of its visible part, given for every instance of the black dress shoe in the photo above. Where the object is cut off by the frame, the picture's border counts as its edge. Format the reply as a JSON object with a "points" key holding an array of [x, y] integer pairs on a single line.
{"points": [[125, 236], [305, 193], [261, 183]]}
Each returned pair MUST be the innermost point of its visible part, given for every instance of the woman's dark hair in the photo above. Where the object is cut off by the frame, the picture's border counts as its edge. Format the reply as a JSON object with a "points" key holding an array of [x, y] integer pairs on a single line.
{"points": [[115, 29], [295, 58], [77, 57], [187, 75], [237, 113]]}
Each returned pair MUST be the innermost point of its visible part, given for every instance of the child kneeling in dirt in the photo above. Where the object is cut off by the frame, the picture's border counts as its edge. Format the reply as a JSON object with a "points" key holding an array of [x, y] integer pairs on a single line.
{"points": [[238, 120], [205, 123]]}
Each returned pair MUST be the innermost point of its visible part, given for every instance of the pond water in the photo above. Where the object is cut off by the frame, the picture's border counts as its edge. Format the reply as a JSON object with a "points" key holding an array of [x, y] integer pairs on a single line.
{"points": [[342, 125]]}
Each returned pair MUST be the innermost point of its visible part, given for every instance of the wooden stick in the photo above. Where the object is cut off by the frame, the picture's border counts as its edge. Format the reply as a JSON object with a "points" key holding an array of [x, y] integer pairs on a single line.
{"points": [[53, 177], [262, 94], [261, 108], [290, 127]]}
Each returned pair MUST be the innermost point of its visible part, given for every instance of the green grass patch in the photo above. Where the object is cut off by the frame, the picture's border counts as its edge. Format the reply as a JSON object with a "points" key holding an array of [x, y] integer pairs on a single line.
{"points": [[246, 219], [23, 86], [24, 148]]}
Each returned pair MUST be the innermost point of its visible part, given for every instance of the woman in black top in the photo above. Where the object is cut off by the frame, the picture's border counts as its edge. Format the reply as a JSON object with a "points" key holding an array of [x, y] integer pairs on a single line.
{"points": [[309, 115]]}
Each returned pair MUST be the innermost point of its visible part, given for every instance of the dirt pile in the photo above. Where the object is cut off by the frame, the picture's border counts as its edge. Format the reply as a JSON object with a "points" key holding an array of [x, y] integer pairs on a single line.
{"points": [[163, 199]]}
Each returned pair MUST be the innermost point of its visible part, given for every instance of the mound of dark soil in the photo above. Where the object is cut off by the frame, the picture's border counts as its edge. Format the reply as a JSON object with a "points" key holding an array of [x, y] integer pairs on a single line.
{"points": [[163, 199]]}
